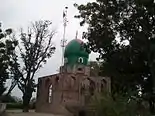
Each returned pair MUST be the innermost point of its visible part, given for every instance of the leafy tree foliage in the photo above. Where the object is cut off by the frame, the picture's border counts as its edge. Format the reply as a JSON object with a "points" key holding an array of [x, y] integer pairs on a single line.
{"points": [[123, 32], [9, 99], [94, 68], [105, 105], [7, 48], [35, 48]]}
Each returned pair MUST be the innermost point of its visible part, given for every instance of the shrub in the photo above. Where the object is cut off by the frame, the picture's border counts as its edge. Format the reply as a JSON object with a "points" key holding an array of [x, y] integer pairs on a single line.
{"points": [[104, 105], [19, 106], [14, 106], [8, 99]]}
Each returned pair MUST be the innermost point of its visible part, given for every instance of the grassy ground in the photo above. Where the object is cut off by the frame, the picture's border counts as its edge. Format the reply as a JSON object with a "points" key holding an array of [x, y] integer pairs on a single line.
{"points": [[31, 113]]}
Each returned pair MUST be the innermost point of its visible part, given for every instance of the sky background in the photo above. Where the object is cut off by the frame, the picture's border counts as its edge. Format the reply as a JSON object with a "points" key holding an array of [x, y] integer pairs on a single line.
{"points": [[19, 13]]}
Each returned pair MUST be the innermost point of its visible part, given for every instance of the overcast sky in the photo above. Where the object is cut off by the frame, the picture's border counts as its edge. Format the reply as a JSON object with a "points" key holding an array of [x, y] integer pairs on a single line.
{"points": [[19, 13]]}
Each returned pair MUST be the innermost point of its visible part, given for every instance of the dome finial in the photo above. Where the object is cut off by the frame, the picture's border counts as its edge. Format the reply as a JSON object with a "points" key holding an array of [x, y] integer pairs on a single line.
{"points": [[76, 34]]}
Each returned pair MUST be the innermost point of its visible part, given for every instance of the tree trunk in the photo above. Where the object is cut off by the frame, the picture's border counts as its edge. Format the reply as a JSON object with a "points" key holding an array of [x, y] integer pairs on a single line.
{"points": [[26, 101]]}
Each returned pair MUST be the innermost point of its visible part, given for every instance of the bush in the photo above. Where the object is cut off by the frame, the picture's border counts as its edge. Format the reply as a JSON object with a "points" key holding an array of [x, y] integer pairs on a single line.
{"points": [[8, 99], [104, 105], [18, 106], [14, 106]]}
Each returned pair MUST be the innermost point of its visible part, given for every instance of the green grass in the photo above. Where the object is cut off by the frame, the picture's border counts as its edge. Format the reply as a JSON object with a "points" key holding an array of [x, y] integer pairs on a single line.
{"points": [[11, 106], [14, 106]]}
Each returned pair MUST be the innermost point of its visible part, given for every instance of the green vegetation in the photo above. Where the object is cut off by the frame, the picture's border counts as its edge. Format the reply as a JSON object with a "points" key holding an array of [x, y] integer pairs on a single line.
{"points": [[16, 103], [35, 48], [21, 64], [123, 33], [9, 99], [7, 48], [105, 105], [13, 106], [95, 68]]}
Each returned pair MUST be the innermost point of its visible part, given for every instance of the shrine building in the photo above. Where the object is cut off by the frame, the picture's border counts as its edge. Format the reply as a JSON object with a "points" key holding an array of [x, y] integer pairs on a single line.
{"points": [[73, 85]]}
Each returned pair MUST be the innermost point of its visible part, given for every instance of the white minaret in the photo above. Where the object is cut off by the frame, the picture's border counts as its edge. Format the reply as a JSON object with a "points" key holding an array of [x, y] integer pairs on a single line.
{"points": [[63, 41]]}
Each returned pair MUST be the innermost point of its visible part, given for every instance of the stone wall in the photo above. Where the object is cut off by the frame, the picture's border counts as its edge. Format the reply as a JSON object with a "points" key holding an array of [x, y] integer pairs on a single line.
{"points": [[64, 90], [56, 91]]}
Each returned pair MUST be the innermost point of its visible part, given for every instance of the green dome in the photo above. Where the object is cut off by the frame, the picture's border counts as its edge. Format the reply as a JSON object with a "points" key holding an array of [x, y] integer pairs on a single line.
{"points": [[74, 50]]}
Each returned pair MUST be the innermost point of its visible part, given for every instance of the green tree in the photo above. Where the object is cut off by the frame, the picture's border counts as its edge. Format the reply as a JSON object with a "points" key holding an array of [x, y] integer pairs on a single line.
{"points": [[123, 32], [7, 48], [9, 99], [105, 105], [94, 68], [35, 48]]}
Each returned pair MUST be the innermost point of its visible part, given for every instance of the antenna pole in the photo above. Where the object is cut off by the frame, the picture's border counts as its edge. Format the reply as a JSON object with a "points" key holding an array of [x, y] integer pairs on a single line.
{"points": [[76, 36], [63, 41]]}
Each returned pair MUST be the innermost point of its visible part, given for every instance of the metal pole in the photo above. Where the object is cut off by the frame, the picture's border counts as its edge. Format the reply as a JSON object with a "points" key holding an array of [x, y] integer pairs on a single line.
{"points": [[76, 36], [63, 45], [64, 40]]}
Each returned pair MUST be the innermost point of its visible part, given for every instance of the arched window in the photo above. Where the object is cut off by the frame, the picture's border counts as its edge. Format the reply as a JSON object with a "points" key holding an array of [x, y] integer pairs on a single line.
{"points": [[79, 69], [80, 60], [57, 79], [50, 94], [103, 85], [92, 87]]}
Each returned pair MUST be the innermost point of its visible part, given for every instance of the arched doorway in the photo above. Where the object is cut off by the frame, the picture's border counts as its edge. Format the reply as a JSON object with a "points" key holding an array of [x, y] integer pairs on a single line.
{"points": [[82, 113], [92, 87], [50, 94], [103, 85]]}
